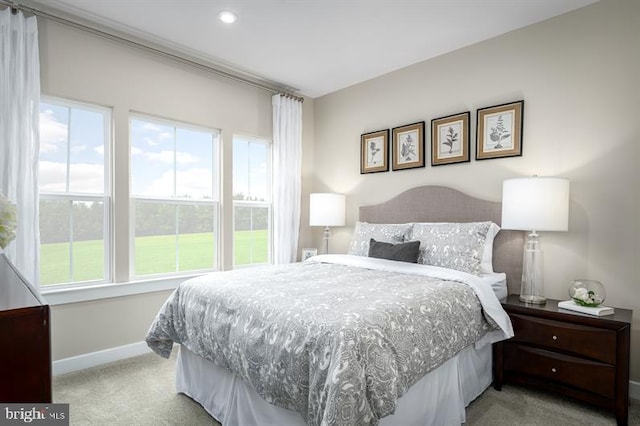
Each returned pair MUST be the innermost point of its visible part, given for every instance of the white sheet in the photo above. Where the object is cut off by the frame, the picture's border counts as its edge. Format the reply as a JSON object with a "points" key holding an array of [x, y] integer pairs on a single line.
{"points": [[439, 398], [498, 283]]}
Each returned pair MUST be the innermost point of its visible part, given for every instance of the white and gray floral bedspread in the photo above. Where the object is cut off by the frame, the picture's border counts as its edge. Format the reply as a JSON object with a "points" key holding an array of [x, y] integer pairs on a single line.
{"points": [[337, 338]]}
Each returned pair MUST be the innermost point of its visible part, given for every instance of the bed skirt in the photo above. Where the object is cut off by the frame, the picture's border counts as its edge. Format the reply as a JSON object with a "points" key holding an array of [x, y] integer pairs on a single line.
{"points": [[439, 398]]}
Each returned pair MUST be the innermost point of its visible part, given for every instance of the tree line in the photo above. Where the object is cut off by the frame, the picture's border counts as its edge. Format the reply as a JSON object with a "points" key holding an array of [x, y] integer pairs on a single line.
{"points": [[150, 219]]}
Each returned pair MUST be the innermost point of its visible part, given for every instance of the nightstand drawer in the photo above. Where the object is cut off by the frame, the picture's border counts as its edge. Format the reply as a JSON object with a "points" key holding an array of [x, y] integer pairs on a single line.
{"points": [[595, 343], [592, 376]]}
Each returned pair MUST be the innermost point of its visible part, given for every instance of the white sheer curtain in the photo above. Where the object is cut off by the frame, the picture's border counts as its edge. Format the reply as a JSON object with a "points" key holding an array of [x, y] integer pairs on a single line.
{"points": [[19, 144], [287, 176]]}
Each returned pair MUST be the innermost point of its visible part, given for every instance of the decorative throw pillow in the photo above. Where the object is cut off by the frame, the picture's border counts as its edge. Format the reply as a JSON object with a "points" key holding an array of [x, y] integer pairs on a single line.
{"points": [[486, 263], [404, 252], [386, 232], [457, 246]]}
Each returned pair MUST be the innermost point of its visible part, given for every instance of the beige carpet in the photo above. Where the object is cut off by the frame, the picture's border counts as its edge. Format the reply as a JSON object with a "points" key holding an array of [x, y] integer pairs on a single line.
{"points": [[140, 391]]}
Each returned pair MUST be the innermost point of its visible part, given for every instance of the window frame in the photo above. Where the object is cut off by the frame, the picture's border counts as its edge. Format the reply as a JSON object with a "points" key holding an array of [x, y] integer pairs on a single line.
{"points": [[215, 201], [106, 197], [249, 203]]}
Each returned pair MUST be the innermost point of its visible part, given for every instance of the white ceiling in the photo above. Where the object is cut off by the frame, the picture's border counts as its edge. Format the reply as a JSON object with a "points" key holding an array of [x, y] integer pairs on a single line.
{"points": [[316, 47]]}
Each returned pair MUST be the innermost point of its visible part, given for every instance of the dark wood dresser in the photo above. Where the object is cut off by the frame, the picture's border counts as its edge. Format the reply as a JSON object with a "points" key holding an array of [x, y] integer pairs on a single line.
{"points": [[25, 349], [578, 355]]}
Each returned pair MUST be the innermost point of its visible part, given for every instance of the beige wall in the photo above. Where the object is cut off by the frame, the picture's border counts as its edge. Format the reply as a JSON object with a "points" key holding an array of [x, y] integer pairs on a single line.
{"points": [[80, 66], [81, 328], [579, 76]]}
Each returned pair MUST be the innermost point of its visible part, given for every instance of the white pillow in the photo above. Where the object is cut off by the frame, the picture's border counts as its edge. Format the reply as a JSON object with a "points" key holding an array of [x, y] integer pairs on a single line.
{"points": [[466, 247], [385, 232], [486, 264]]}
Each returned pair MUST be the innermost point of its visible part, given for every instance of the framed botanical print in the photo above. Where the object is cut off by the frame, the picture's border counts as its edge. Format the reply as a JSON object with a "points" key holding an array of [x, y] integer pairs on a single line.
{"points": [[450, 139], [308, 252], [374, 152], [408, 146], [499, 131]]}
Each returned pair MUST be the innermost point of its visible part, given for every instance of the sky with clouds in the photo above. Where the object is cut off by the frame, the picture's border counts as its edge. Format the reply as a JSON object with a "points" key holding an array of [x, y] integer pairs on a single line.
{"points": [[83, 145], [166, 161]]}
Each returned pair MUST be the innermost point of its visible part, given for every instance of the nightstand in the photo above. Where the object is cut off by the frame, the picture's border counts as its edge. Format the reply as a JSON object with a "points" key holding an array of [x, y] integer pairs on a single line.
{"points": [[581, 356]]}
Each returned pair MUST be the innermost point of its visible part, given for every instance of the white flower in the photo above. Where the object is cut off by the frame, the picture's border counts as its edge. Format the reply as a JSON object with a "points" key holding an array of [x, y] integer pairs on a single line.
{"points": [[587, 297], [8, 222], [581, 293]]}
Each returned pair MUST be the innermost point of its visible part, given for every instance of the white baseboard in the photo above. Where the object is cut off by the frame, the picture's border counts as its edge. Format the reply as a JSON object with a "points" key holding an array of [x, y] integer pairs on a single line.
{"points": [[93, 359], [634, 390]]}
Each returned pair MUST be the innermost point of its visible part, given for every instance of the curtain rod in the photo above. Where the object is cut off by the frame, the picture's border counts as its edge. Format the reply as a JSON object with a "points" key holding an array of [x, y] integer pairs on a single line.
{"points": [[140, 45]]}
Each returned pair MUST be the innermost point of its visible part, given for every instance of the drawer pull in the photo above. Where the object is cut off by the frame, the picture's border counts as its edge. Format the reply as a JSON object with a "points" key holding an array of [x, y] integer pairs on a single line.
{"points": [[553, 370], [555, 337]]}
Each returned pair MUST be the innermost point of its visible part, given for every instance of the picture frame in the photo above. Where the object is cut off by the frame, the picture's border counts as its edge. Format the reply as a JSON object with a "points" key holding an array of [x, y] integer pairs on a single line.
{"points": [[499, 131], [408, 146], [308, 252], [450, 139], [374, 152]]}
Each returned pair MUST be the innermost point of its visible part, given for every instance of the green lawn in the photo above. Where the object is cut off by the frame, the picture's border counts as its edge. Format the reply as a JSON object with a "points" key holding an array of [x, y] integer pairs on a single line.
{"points": [[251, 247], [154, 255]]}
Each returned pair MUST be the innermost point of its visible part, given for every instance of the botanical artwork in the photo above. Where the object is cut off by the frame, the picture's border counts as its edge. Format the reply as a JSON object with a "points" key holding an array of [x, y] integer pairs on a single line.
{"points": [[308, 253], [374, 152], [407, 147], [498, 131], [450, 139]]}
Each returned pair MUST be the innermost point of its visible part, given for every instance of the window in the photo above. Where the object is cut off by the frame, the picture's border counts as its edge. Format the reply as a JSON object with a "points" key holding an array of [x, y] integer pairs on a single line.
{"points": [[175, 202], [251, 201], [74, 192]]}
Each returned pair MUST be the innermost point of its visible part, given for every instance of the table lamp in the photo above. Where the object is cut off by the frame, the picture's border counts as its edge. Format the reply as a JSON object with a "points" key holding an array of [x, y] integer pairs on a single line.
{"points": [[534, 204], [326, 210]]}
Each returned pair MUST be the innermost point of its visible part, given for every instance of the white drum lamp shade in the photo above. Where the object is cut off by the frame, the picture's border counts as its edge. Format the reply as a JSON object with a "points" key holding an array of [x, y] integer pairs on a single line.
{"points": [[326, 209], [534, 204]]}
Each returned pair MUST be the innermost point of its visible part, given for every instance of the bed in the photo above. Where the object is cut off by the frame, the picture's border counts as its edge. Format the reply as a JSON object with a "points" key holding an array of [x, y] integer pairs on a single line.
{"points": [[356, 340]]}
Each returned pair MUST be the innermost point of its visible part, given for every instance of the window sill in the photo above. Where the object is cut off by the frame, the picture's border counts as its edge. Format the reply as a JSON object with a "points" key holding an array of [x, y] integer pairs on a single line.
{"points": [[56, 297]]}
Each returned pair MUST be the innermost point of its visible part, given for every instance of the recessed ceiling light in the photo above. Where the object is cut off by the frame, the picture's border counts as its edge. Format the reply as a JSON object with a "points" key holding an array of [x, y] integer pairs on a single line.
{"points": [[227, 17]]}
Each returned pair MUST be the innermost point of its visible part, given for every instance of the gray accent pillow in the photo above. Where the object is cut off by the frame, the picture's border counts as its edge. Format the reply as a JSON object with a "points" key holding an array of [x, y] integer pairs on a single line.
{"points": [[404, 252], [387, 232]]}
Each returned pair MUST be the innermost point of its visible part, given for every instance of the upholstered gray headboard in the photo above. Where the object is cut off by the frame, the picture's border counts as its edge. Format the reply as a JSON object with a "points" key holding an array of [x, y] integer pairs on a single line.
{"points": [[442, 204]]}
